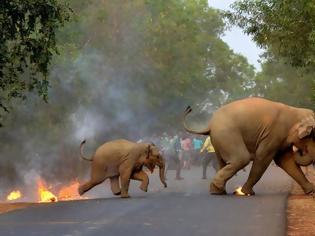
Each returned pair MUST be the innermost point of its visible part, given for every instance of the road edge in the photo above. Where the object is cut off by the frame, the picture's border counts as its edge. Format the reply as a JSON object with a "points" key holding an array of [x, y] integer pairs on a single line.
{"points": [[301, 209]]}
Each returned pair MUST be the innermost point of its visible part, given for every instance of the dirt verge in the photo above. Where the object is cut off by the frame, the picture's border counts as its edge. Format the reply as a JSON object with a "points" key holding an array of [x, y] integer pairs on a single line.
{"points": [[301, 209]]}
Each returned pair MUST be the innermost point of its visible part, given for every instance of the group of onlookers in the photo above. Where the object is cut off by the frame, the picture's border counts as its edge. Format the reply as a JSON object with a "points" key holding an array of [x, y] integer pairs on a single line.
{"points": [[182, 150]]}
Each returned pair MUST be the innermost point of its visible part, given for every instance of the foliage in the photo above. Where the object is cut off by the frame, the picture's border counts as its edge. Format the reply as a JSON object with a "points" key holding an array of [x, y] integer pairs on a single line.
{"points": [[126, 69], [158, 56], [281, 82], [285, 27], [27, 44]]}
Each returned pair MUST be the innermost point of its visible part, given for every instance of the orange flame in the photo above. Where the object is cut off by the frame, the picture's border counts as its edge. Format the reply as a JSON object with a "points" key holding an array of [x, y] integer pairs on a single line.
{"points": [[239, 192], [70, 192], [44, 195], [66, 193], [14, 195]]}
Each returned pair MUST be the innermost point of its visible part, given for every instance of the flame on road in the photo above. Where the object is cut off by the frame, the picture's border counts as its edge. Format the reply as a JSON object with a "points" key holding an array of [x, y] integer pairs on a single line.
{"points": [[238, 191], [44, 195], [70, 192], [48, 194], [14, 195]]}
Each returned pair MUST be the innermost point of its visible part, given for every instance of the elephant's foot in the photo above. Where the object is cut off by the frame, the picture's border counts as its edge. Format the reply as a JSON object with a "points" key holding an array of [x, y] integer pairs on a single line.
{"points": [[216, 190], [117, 193], [247, 191], [124, 195], [144, 188], [309, 189], [81, 190]]}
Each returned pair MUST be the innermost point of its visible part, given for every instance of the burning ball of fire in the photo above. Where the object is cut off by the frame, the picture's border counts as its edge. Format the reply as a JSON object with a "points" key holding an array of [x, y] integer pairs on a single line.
{"points": [[238, 191], [44, 195], [14, 195]]}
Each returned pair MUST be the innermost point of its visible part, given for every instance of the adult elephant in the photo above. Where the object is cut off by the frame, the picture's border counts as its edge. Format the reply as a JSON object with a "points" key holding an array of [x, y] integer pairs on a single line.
{"points": [[124, 159], [259, 130]]}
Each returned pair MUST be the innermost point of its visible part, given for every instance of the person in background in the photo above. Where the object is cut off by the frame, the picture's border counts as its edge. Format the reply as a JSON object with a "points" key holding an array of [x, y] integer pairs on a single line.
{"points": [[166, 150], [177, 156], [186, 144], [197, 145], [170, 148], [208, 157]]}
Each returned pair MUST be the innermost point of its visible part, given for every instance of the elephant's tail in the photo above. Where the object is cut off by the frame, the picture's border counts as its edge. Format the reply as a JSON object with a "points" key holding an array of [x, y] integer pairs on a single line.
{"points": [[203, 132], [81, 152]]}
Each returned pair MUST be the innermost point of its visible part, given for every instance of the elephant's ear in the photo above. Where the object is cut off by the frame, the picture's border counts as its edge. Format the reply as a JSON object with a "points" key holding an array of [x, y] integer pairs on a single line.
{"points": [[301, 130], [305, 127]]}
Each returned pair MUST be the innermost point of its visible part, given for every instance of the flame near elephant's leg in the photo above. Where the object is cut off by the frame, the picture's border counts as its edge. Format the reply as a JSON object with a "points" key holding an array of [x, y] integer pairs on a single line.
{"points": [[238, 192]]}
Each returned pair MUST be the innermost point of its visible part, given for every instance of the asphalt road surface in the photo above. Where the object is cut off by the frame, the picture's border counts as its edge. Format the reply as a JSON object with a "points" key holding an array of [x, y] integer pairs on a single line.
{"points": [[184, 208]]}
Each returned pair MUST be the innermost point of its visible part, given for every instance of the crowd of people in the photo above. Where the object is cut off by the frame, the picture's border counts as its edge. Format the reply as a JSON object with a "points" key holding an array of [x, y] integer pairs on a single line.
{"points": [[182, 150]]}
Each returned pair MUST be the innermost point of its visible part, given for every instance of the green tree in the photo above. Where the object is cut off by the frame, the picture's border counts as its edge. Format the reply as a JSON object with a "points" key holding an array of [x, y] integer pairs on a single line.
{"points": [[281, 82], [285, 27], [160, 56], [126, 69], [27, 44]]}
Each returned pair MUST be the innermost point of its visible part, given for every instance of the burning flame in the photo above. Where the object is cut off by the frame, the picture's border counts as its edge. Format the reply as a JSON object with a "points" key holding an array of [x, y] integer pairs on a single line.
{"points": [[66, 193], [70, 192], [238, 191], [14, 195], [44, 195]]}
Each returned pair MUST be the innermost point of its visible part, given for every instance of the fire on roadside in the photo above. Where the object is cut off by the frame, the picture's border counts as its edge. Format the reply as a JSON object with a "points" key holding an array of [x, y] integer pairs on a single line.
{"points": [[14, 195]]}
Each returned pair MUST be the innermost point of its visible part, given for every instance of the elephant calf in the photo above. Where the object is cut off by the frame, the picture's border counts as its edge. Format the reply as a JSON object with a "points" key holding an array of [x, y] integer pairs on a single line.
{"points": [[125, 159]]}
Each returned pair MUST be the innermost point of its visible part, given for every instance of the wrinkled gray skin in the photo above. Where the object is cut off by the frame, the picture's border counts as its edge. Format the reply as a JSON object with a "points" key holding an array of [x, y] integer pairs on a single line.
{"points": [[259, 130], [124, 159]]}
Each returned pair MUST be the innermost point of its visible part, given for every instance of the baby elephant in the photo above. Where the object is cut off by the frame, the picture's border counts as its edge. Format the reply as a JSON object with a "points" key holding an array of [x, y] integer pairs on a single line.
{"points": [[125, 159]]}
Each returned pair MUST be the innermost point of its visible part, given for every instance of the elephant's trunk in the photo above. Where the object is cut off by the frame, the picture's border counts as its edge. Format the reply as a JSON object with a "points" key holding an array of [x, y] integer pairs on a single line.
{"points": [[303, 160], [162, 173]]}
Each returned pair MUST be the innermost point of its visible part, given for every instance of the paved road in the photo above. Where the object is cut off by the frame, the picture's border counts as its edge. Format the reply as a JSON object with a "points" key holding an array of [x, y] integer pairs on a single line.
{"points": [[185, 208]]}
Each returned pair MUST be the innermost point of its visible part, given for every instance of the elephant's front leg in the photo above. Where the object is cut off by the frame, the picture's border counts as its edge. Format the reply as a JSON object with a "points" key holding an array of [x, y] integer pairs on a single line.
{"points": [[143, 177], [287, 163], [114, 184], [125, 175]]}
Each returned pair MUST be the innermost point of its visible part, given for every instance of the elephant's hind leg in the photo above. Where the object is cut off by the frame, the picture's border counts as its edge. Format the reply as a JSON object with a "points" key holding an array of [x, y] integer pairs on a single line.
{"points": [[114, 184], [98, 175], [231, 160], [88, 185], [217, 185], [143, 177]]}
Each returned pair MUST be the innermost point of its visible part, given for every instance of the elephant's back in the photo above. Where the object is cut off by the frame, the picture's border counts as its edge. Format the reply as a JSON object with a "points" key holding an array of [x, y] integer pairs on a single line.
{"points": [[248, 117], [248, 109], [114, 149]]}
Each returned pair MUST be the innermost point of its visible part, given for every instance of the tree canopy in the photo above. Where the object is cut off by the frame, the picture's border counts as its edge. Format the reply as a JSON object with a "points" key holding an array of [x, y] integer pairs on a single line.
{"points": [[125, 69], [285, 27], [27, 44]]}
